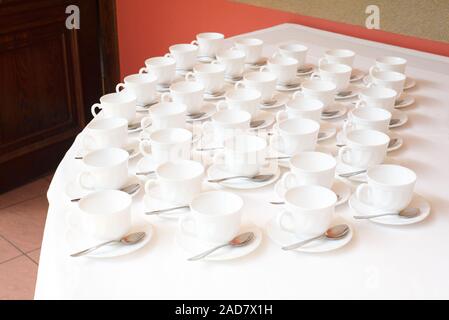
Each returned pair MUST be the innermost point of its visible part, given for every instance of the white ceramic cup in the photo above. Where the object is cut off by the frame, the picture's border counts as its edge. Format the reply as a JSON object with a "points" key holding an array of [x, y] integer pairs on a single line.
{"points": [[388, 79], [389, 188], [285, 69], [233, 60], [165, 115], [368, 118], [143, 86], [169, 144], [264, 82], [318, 89], [342, 56], [301, 107], [295, 135], [121, 105], [209, 43], [189, 93], [293, 50], [252, 48], [308, 211], [179, 181], [338, 74], [211, 76], [243, 155], [215, 217], [184, 54], [226, 124], [163, 68], [377, 97], [105, 133], [389, 63], [310, 168], [241, 99], [364, 148], [106, 214], [104, 169]]}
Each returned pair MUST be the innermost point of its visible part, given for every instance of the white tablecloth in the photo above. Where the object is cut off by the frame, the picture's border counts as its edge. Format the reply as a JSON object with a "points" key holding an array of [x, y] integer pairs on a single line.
{"points": [[379, 262]]}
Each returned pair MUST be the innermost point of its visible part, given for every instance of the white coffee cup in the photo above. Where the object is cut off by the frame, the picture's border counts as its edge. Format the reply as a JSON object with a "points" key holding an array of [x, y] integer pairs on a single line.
{"points": [[310, 168], [233, 61], [169, 144], [339, 74], [389, 63], [285, 69], [179, 181], [209, 43], [121, 105], [293, 50], [184, 54], [377, 97], [252, 48], [189, 93], [106, 214], [368, 118], [388, 79], [241, 99], [318, 89], [165, 115], [389, 188], [243, 155], [215, 217], [227, 123], [163, 68], [301, 107], [105, 133], [211, 76], [143, 86], [310, 210], [104, 169], [264, 82], [342, 56], [364, 148], [295, 135]]}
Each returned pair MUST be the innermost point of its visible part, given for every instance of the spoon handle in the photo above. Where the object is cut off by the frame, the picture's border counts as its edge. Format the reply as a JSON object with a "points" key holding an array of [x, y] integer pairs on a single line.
{"points": [[376, 215], [300, 244], [351, 174], [166, 210], [228, 178], [82, 253], [145, 173], [208, 252]]}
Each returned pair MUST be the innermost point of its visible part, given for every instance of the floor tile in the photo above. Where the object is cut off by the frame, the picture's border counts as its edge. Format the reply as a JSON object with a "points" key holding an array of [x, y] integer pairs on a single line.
{"points": [[34, 255], [7, 251], [18, 279], [23, 224], [26, 192]]}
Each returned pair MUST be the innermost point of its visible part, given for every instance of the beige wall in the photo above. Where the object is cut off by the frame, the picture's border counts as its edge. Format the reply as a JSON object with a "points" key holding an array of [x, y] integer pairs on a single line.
{"points": [[428, 19]]}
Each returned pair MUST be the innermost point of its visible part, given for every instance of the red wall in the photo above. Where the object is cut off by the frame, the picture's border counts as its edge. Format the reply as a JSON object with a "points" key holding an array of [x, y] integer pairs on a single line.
{"points": [[147, 28]]}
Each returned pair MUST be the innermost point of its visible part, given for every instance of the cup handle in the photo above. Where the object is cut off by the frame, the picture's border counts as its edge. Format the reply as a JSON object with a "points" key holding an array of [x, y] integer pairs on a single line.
{"points": [[207, 127], [149, 184], [281, 218], [281, 115], [166, 97], [264, 69], [296, 94], [184, 222], [145, 122], [239, 85], [195, 43], [315, 75], [373, 70], [322, 61], [83, 180], [168, 55], [218, 157], [345, 150], [89, 142], [215, 62], [360, 103], [222, 105], [145, 147], [119, 87], [94, 107], [347, 125], [190, 76], [289, 180], [143, 70], [363, 189]]}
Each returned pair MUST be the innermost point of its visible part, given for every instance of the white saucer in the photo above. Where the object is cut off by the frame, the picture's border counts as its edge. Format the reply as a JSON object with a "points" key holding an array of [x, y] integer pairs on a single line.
{"points": [[218, 171], [234, 80], [195, 246], [183, 72], [340, 107], [327, 130], [355, 90], [296, 87], [166, 88], [285, 238], [339, 187], [409, 82], [280, 100], [402, 116], [208, 108], [357, 75], [77, 239], [205, 59], [257, 65], [404, 100], [146, 164], [418, 201], [310, 68], [147, 107], [274, 152], [133, 144], [74, 191], [226, 88], [268, 117], [345, 168], [341, 139]]}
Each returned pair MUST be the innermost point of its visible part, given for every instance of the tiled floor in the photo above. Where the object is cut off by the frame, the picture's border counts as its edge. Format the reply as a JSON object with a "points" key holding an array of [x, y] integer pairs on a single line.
{"points": [[22, 218]]}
